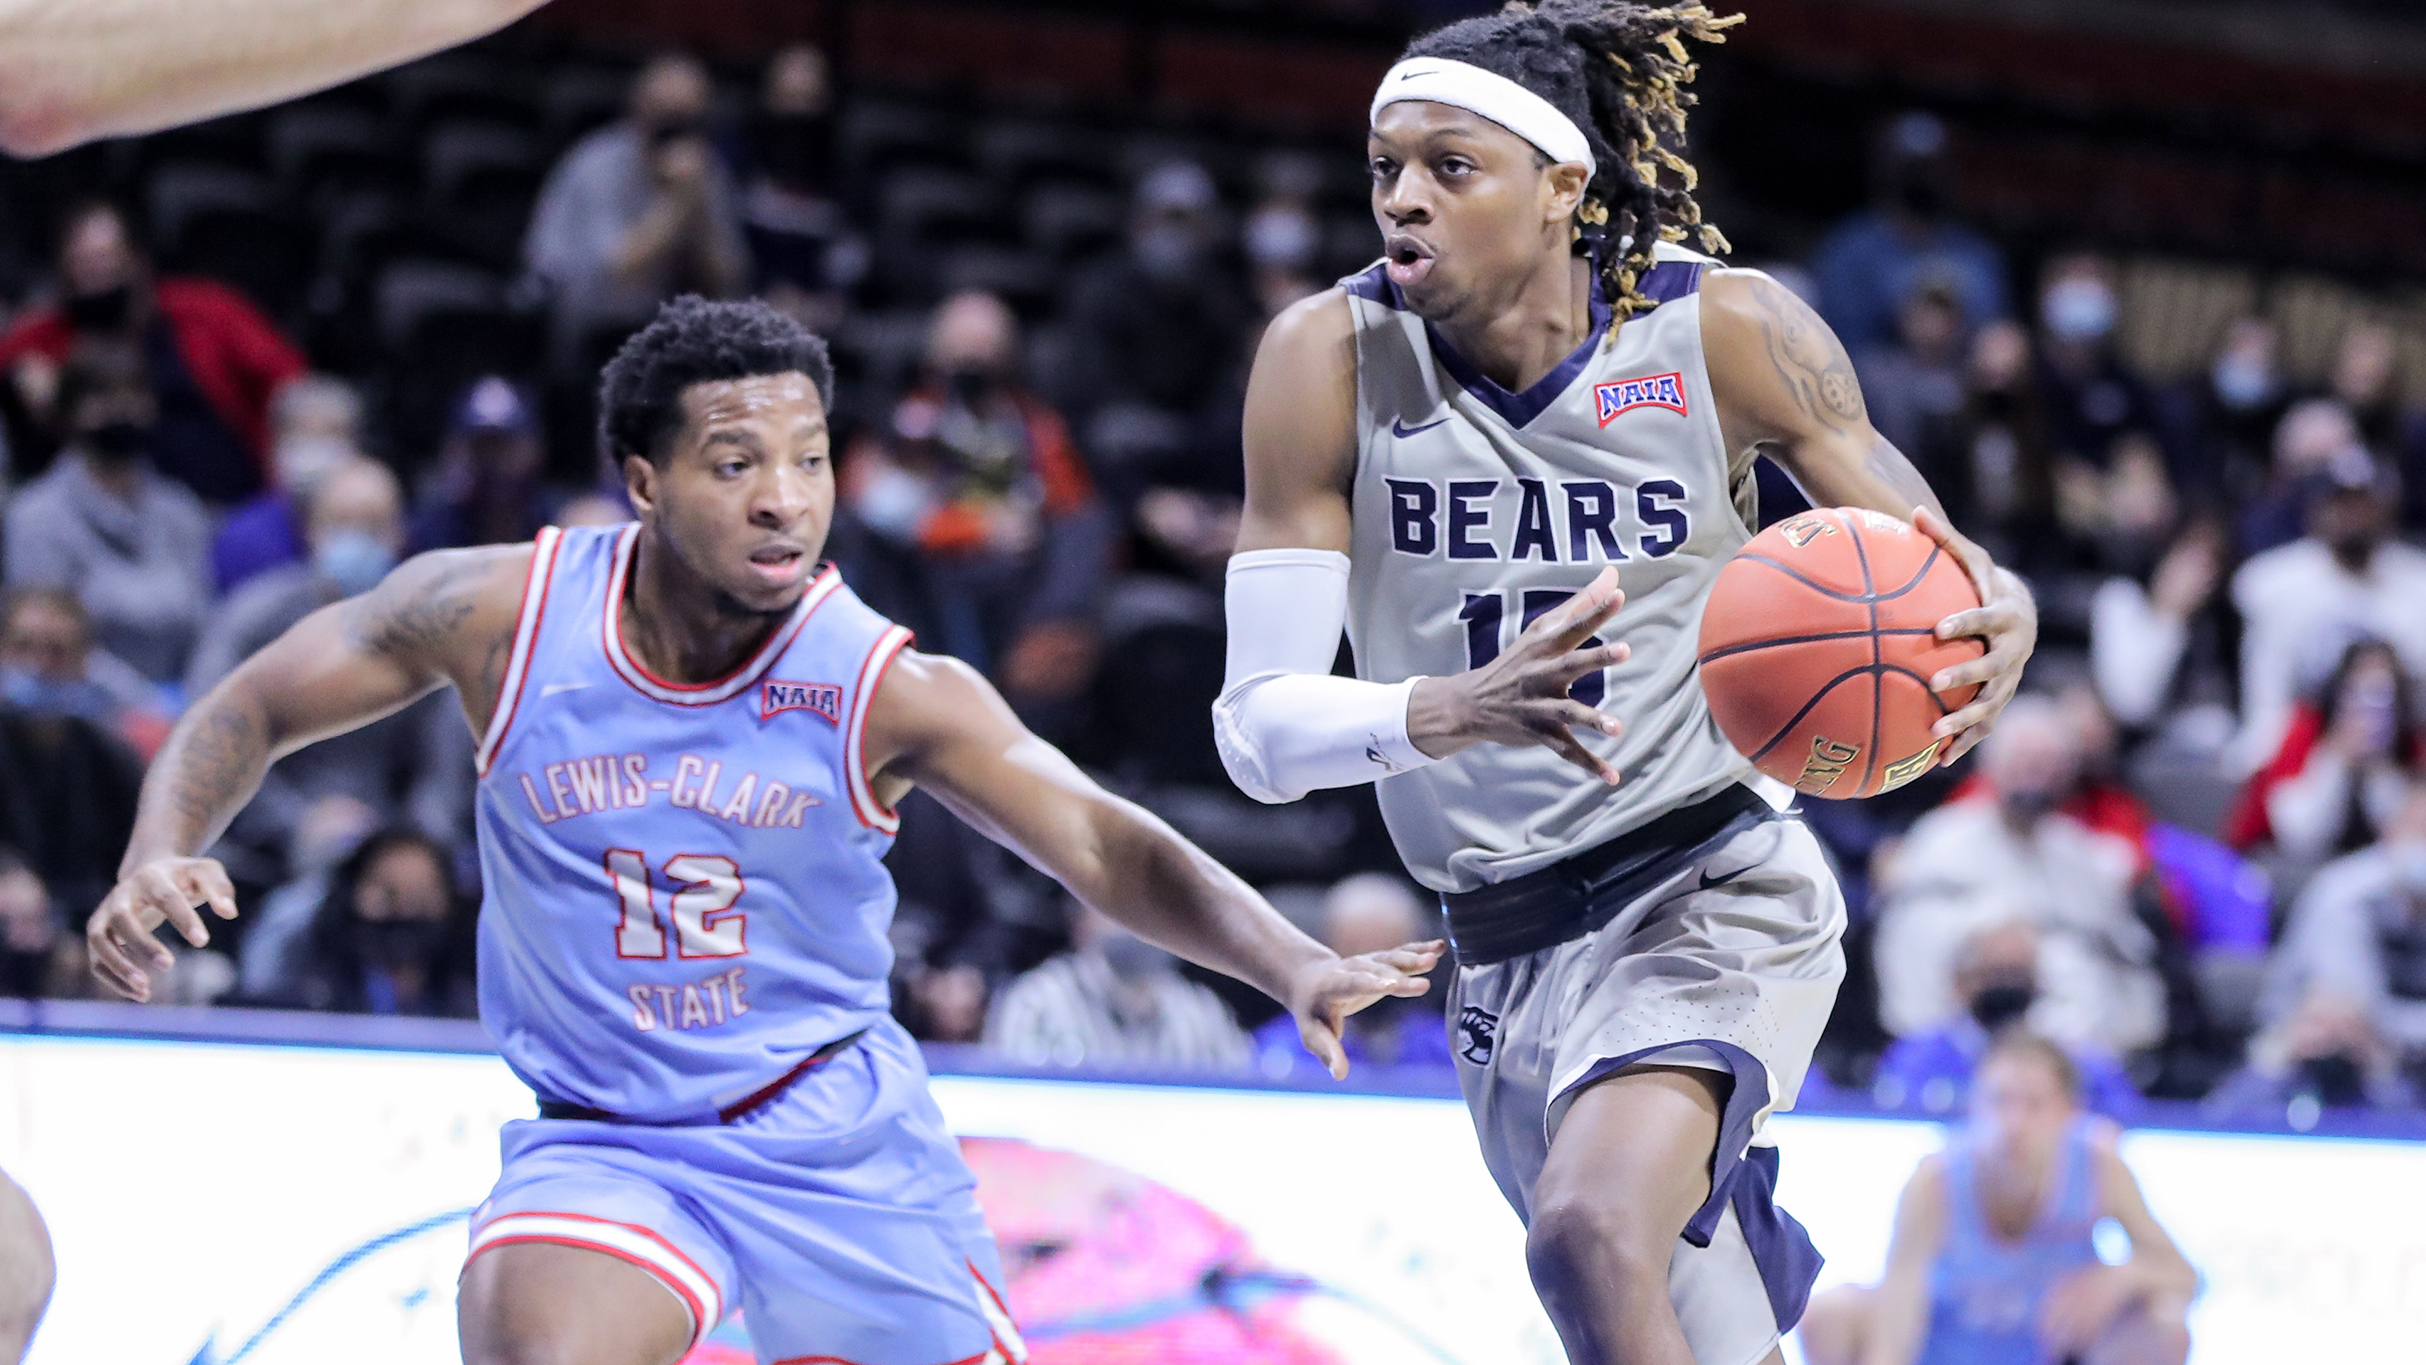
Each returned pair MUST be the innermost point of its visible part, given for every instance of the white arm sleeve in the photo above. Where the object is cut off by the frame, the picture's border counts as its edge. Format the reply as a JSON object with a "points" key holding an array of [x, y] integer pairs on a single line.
{"points": [[1284, 725]]}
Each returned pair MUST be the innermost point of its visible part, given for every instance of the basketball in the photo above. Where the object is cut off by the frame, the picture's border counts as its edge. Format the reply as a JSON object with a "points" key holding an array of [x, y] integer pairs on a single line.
{"points": [[1818, 644]]}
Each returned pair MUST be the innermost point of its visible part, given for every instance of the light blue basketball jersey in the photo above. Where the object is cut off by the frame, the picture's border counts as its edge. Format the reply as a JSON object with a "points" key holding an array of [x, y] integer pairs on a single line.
{"points": [[1985, 1292], [685, 896]]}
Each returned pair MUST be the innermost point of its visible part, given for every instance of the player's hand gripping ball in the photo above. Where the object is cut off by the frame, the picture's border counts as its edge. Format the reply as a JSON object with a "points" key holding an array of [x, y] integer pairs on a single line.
{"points": [[1818, 644]]}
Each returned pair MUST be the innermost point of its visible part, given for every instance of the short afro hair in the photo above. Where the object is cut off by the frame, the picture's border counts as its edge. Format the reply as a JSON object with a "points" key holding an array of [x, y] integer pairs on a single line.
{"points": [[695, 341]]}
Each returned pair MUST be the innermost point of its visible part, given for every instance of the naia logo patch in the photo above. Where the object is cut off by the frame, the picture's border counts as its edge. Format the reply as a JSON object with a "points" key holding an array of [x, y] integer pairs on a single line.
{"points": [[1650, 391], [825, 699]]}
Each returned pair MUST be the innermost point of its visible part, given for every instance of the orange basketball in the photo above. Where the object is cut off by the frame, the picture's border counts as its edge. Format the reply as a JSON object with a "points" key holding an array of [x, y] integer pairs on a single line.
{"points": [[1818, 645]]}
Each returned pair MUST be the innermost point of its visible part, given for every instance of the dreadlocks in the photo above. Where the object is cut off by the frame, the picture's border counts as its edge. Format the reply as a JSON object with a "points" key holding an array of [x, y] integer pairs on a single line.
{"points": [[1618, 70]]}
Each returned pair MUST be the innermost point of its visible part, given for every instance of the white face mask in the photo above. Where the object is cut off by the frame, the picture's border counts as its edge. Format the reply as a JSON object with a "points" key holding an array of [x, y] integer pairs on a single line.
{"points": [[302, 461]]}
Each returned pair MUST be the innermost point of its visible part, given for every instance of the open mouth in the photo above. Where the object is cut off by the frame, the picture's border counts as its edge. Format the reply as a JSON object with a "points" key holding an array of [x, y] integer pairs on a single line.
{"points": [[1406, 259], [779, 564]]}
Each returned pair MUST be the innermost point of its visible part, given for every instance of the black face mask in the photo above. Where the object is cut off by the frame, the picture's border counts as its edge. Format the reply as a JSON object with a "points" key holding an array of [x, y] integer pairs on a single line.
{"points": [[2001, 1004], [399, 942], [969, 388], [105, 311], [2334, 1079], [118, 440], [2027, 805]]}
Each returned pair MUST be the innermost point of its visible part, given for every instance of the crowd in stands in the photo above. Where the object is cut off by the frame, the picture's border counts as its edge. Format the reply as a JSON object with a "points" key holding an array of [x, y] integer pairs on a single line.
{"points": [[2194, 854]]}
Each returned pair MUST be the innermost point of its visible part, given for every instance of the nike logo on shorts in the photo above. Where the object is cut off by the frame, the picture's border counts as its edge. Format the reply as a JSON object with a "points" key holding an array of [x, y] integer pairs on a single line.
{"points": [[1709, 881], [1400, 428]]}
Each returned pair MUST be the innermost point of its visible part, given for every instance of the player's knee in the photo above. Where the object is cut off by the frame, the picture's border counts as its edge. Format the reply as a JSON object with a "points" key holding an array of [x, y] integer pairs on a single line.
{"points": [[27, 1272], [1594, 1238]]}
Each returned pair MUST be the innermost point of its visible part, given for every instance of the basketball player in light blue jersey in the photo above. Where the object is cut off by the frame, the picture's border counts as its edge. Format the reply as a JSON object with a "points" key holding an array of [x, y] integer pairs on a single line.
{"points": [[692, 740], [1537, 395], [1995, 1259]]}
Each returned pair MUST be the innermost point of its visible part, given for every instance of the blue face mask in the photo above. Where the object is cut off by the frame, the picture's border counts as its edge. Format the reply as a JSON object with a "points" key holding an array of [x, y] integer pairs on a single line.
{"points": [[353, 560], [2242, 384], [37, 695], [2078, 310]]}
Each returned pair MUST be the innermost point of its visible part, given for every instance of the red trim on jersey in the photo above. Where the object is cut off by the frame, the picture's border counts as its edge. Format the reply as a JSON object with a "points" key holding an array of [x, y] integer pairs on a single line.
{"points": [[631, 670], [518, 661], [872, 670]]}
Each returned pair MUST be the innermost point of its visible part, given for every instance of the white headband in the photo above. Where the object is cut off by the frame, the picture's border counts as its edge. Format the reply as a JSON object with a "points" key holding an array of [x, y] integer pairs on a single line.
{"points": [[1491, 95]]}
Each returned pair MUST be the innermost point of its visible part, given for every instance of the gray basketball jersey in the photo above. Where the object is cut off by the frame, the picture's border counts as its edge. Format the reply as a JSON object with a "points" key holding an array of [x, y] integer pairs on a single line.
{"points": [[1476, 510]]}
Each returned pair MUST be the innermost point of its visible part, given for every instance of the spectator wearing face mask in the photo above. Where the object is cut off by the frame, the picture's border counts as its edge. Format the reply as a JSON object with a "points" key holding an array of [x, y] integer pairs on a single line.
{"points": [[2314, 436], [391, 938], [317, 425], [2224, 418], [50, 666], [803, 255], [212, 360], [68, 783], [39, 958], [983, 530], [104, 524], [1157, 329], [2327, 1053], [1113, 1000], [2347, 577], [2010, 855], [2344, 766], [1996, 979], [2357, 934], [637, 212], [1371, 912], [407, 766], [1873, 262], [2365, 380], [488, 487], [2091, 400]]}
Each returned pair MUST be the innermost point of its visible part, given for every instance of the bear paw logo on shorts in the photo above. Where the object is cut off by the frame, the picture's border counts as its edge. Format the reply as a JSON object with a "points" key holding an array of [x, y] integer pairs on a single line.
{"points": [[1476, 1030]]}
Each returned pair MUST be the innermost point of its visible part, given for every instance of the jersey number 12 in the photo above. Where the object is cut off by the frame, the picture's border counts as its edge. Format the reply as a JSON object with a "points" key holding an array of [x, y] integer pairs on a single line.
{"points": [[705, 922]]}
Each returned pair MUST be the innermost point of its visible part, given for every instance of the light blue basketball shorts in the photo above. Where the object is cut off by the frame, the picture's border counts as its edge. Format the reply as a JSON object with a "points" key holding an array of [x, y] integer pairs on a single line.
{"points": [[839, 1217]]}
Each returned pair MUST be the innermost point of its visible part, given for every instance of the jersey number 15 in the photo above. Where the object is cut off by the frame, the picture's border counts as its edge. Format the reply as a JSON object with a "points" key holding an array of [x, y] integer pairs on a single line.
{"points": [[1483, 613], [705, 922]]}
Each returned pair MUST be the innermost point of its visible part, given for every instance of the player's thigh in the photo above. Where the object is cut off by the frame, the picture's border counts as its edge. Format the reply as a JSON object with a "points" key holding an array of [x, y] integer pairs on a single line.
{"points": [[537, 1303], [26, 1270], [1631, 1161], [2147, 1334]]}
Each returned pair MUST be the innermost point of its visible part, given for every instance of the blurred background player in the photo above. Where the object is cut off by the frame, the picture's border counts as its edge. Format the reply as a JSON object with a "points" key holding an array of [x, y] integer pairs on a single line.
{"points": [[1993, 1262], [654, 1009], [1647, 951]]}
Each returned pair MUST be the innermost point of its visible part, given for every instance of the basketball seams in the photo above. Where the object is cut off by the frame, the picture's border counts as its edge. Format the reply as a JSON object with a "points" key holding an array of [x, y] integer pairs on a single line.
{"points": [[1818, 695], [1747, 557], [1878, 657], [1780, 642]]}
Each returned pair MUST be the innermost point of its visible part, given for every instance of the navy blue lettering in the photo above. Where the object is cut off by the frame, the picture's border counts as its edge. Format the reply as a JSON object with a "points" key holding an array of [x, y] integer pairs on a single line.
{"points": [[1482, 614], [1591, 687], [1463, 517], [1414, 504], [1670, 520], [1591, 511], [1533, 524]]}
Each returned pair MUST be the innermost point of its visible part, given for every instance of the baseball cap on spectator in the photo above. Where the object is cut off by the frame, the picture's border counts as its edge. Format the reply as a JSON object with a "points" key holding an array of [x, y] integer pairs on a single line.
{"points": [[494, 405]]}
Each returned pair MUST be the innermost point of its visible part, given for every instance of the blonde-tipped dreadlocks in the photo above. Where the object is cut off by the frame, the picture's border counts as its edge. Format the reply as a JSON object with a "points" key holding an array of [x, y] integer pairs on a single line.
{"points": [[1619, 70]]}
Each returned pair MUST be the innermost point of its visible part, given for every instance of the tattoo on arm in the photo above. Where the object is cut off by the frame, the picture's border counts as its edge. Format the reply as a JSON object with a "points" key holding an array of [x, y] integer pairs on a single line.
{"points": [[413, 625], [1809, 360]]}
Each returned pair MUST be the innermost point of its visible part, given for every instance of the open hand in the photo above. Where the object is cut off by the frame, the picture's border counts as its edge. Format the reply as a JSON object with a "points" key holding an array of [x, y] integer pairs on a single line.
{"points": [[1520, 698], [2007, 618], [2080, 1307], [1330, 991], [119, 934]]}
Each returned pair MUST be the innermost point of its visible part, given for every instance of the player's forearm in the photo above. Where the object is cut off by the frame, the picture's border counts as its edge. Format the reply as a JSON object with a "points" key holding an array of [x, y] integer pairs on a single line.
{"points": [[1174, 894], [74, 70], [2162, 1276], [1857, 469], [210, 767]]}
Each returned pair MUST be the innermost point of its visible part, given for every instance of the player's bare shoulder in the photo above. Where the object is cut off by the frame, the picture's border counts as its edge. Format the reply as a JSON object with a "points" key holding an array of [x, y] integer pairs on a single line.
{"points": [[448, 613], [1301, 424], [1775, 367]]}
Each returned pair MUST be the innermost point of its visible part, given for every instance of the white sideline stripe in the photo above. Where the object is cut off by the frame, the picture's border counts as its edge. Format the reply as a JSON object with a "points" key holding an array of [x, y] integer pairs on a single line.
{"points": [[526, 635], [616, 1237]]}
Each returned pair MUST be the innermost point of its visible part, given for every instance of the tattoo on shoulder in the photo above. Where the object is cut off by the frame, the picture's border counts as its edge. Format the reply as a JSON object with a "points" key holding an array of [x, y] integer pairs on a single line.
{"points": [[418, 615], [1807, 356]]}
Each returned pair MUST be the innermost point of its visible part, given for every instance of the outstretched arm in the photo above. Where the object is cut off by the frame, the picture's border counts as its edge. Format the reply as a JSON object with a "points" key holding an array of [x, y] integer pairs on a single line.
{"points": [[443, 617], [1284, 724], [1786, 388], [1901, 1318], [937, 724], [74, 70], [2158, 1280]]}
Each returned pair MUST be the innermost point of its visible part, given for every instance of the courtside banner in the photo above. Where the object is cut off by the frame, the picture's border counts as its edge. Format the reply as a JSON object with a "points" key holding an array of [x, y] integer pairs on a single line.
{"points": [[280, 1201]]}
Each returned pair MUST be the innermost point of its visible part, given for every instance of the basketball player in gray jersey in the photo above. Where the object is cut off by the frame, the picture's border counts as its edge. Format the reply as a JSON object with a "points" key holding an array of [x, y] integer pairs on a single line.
{"points": [[1538, 395]]}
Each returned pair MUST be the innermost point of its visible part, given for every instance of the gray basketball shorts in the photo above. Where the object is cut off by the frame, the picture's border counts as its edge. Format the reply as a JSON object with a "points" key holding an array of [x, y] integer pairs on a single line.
{"points": [[1731, 964]]}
